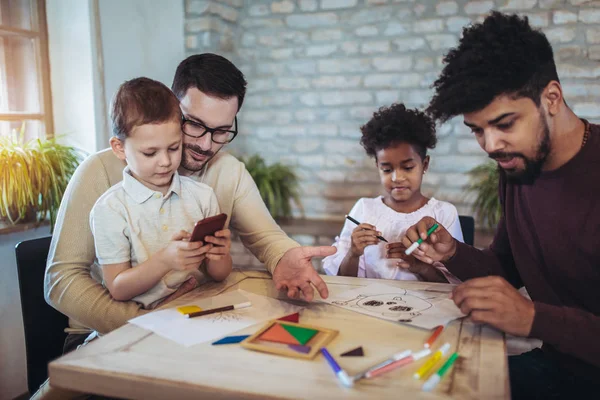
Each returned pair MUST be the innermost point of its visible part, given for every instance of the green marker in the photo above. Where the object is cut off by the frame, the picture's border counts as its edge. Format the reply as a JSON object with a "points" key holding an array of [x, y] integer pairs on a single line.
{"points": [[416, 244], [437, 377]]}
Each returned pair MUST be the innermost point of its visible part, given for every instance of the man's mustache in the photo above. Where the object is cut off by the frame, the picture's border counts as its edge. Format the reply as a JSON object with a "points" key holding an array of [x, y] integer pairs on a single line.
{"points": [[199, 150], [501, 155]]}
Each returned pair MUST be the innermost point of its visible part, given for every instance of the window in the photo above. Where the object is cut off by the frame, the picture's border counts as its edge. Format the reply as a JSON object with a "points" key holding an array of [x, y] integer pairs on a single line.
{"points": [[24, 69]]}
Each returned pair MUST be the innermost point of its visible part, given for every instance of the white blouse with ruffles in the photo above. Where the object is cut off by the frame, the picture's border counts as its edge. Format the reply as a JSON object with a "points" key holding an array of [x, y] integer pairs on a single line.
{"points": [[392, 225]]}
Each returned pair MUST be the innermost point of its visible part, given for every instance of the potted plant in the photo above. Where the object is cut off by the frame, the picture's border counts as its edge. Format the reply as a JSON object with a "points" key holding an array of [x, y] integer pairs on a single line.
{"points": [[484, 184], [277, 184], [33, 177]]}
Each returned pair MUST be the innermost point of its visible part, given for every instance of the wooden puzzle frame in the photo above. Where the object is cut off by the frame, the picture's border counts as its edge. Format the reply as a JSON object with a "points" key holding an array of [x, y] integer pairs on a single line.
{"points": [[321, 339]]}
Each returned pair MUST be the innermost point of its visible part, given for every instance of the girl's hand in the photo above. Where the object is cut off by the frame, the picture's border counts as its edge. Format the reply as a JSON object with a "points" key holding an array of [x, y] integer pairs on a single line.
{"points": [[221, 243], [362, 236], [426, 272]]}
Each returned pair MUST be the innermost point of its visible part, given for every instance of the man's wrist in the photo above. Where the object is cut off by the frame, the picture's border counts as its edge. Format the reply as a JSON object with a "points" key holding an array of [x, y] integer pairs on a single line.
{"points": [[452, 253]]}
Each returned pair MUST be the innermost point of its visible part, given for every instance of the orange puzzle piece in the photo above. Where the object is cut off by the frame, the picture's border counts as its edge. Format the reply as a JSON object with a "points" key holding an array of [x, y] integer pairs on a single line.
{"points": [[278, 333]]}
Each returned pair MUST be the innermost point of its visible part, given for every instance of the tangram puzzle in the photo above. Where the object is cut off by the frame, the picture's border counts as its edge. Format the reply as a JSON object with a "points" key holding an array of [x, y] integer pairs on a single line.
{"points": [[290, 339]]}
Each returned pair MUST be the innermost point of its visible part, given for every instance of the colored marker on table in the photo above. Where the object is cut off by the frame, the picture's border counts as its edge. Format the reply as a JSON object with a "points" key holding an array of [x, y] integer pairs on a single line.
{"points": [[416, 244], [430, 363], [434, 335], [217, 310], [434, 379], [339, 372], [349, 218], [395, 357], [399, 363]]}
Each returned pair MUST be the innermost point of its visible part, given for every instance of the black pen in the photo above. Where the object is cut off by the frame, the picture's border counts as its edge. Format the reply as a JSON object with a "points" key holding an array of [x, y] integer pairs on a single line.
{"points": [[358, 223]]}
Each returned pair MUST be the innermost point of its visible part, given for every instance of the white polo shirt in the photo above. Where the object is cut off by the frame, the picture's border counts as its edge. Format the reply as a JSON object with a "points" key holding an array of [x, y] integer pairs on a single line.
{"points": [[130, 222]]}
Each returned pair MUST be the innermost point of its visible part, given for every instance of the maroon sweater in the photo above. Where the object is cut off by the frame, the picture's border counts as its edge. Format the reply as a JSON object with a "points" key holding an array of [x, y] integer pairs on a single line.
{"points": [[548, 240]]}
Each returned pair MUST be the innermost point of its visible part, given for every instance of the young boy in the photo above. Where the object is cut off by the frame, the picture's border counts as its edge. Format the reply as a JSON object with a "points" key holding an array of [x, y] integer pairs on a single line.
{"points": [[142, 225]]}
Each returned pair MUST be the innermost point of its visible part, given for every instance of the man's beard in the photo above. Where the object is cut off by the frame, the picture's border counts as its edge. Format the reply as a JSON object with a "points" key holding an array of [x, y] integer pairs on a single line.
{"points": [[533, 166], [189, 163]]}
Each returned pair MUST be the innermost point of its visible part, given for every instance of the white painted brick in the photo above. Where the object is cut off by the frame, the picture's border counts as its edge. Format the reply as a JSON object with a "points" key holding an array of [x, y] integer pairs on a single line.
{"points": [[321, 130], [260, 85], [332, 176], [553, 4], [424, 63], [227, 13], [392, 80], [420, 9], [568, 53], [445, 129], [199, 24], [343, 146], [248, 40], [258, 10], [304, 67], [328, 82], [257, 101], [346, 97], [293, 83], [397, 28], [270, 69], [580, 89], [455, 163], [350, 48], [314, 161], [446, 8], [442, 148], [295, 37], [431, 178], [266, 132], [321, 50], [419, 97], [589, 16], [346, 65], [395, 64], [309, 99], [337, 4], [306, 145], [587, 110], [191, 42], [456, 180], [292, 130], [519, 5], [537, 20], [592, 35], [363, 113], [564, 17], [456, 24], [386, 97], [197, 7], [234, 3], [441, 42], [410, 44], [583, 2], [594, 54], [282, 7], [262, 22], [427, 79], [366, 31], [429, 25], [376, 2], [479, 7], [270, 40], [308, 5], [326, 35], [282, 54], [306, 21], [307, 115], [560, 35], [375, 47], [371, 15]]}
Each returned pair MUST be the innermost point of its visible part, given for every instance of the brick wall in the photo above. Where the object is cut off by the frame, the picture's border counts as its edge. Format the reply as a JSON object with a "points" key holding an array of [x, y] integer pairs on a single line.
{"points": [[317, 69]]}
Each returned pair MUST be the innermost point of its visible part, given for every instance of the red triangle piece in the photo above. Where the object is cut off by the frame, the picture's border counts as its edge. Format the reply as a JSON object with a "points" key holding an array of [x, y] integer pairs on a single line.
{"points": [[357, 352], [291, 318], [278, 334]]}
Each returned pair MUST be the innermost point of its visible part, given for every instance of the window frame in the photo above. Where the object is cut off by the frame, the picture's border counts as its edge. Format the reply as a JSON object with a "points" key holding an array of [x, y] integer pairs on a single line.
{"points": [[40, 36]]}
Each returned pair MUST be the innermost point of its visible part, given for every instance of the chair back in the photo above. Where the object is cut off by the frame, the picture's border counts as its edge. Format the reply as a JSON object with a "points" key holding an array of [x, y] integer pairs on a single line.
{"points": [[43, 325], [467, 224]]}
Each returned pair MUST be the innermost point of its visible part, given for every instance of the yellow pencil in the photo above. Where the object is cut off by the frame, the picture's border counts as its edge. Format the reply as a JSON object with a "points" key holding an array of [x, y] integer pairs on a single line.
{"points": [[437, 356]]}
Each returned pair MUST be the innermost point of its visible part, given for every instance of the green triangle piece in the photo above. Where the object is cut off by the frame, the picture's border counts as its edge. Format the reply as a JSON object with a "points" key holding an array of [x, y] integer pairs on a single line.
{"points": [[302, 335]]}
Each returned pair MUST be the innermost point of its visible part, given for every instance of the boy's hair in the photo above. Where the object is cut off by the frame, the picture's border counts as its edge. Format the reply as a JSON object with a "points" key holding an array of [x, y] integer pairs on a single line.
{"points": [[211, 74], [142, 101], [502, 55], [396, 124]]}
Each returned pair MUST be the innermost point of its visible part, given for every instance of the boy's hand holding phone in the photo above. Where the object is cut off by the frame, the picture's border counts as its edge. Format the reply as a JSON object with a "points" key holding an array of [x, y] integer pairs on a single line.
{"points": [[221, 242], [182, 255]]}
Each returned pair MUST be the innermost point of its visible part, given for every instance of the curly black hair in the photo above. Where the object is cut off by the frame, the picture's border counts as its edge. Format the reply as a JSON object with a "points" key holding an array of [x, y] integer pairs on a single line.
{"points": [[395, 124], [501, 55]]}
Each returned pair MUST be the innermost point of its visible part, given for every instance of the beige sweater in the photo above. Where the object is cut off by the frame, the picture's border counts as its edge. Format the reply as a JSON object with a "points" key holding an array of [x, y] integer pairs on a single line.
{"points": [[69, 285]]}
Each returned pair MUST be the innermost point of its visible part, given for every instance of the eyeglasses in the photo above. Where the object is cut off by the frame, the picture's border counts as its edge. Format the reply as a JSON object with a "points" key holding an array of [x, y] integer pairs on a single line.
{"points": [[196, 130]]}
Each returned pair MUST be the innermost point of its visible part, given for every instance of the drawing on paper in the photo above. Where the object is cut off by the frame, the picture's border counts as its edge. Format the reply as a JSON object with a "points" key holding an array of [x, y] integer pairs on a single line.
{"points": [[229, 316], [400, 305]]}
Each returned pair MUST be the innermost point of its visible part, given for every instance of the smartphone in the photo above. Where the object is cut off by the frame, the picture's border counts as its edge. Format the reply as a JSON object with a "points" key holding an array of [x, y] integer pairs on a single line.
{"points": [[208, 227]]}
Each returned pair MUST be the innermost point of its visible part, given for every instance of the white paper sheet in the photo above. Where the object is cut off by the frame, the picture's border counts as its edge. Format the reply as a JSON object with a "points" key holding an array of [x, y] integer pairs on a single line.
{"points": [[423, 309], [173, 325]]}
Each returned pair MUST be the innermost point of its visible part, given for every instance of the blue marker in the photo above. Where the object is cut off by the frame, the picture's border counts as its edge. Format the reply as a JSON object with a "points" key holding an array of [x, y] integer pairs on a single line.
{"points": [[339, 372]]}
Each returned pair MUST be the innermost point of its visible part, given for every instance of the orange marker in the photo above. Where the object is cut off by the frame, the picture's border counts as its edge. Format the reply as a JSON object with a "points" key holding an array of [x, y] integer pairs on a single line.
{"points": [[434, 336]]}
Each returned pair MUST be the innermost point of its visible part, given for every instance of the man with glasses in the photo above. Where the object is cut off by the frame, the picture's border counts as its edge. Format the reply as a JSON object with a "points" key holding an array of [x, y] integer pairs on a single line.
{"points": [[211, 91]]}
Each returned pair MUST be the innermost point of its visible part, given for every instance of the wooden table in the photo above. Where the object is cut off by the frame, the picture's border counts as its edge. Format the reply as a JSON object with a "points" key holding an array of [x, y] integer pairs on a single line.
{"points": [[134, 363]]}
